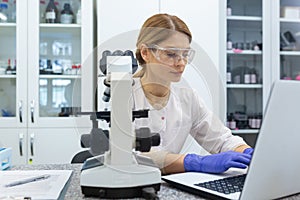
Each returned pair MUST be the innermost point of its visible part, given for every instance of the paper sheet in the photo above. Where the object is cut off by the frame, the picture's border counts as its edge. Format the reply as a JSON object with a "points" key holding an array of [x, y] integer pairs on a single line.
{"points": [[49, 188]]}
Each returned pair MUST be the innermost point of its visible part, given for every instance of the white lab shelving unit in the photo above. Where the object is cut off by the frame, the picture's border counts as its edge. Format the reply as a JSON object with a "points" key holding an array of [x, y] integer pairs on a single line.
{"points": [[34, 130], [285, 60], [249, 22]]}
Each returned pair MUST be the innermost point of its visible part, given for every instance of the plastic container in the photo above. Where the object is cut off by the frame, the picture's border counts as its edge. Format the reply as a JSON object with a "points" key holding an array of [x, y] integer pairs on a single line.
{"points": [[3, 12], [5, 158]]}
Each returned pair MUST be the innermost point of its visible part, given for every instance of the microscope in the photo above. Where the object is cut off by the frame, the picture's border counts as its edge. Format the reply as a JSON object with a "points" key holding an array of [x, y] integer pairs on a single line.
{"points": [[117, 170]]}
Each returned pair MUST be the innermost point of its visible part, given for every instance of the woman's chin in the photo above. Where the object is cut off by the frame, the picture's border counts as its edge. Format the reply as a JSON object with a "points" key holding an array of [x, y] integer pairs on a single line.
{"points": [[175, 79]]}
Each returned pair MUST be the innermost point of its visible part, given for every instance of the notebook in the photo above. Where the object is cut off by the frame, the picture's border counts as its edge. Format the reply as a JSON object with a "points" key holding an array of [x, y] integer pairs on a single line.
{"points": [[36, 184], [274, 168]]}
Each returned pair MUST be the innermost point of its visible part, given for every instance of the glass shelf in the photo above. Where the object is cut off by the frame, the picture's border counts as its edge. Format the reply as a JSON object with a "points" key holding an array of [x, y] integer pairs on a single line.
{"points": [[290, 53], [7, 24], [244, 18], [7, 76], [287, 20], [60, 76], [245, 131], [244, 52], [57, 25], [245, 86]]}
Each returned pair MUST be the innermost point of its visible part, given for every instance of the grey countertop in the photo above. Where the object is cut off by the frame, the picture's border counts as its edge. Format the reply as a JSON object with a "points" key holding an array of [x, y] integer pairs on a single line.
{"points": [[73, 190]]}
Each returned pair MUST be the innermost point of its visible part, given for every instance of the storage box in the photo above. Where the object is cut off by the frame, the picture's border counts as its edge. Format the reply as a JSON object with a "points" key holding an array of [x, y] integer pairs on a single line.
{"points": [[5, 158], [290, 12]]}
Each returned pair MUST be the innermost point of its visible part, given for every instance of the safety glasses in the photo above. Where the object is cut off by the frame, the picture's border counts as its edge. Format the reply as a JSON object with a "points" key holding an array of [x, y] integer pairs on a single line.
{"points": [[171, 56]]}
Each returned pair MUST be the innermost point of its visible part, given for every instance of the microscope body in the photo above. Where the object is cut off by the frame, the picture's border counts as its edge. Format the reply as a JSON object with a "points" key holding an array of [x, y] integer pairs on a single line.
{"points": [[116, 173]]}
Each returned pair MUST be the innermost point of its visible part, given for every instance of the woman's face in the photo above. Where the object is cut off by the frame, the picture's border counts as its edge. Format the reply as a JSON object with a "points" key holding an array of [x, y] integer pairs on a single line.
{"points": [[166, 61]]}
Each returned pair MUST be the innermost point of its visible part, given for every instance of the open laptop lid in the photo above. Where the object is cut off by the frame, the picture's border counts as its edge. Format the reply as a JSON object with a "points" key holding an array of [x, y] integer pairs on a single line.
{"points": [[274, 169]]}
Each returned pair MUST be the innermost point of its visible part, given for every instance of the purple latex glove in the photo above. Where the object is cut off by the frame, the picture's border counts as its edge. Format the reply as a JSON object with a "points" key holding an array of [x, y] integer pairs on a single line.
{"points": [[248, 151], [216, 163]]}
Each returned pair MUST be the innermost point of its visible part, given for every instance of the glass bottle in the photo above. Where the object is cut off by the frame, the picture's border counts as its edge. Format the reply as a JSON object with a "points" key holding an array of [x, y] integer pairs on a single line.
{"points": [[14, 68], [42, 11], [229, 10], [232, 122], [66, 14], [9, 68], [228, 75], [78, 15], [246, 76], [12, 12], [229, 42], [51, 12], [49, 68], [253, 78], [227, 120]]}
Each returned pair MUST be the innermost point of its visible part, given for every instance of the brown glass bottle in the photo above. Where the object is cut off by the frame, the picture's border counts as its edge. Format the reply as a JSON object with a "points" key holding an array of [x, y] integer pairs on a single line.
{"points": [[67, 14], [51, 15]]}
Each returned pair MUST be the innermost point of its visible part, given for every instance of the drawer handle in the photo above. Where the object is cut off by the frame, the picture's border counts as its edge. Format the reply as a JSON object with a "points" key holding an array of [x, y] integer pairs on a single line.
{"points": [[21, 111], [31, 144], [32, 111], [21, 136]]}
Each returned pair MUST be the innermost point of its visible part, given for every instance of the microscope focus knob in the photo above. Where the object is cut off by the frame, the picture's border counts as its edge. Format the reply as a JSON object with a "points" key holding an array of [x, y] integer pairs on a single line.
{"points": [[145, 139]]}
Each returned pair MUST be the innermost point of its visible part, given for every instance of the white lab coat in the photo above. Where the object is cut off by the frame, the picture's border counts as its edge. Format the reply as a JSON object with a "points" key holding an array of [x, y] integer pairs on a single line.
{"points": [[185, 113]]}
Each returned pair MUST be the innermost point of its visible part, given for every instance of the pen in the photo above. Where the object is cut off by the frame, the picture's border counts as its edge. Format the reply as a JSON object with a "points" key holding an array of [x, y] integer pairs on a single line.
{"points": [[28, 180]]}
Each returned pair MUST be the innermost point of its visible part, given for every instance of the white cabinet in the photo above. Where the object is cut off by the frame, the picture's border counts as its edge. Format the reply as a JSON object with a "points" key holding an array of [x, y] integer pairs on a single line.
{"points": [[286, 41], [54, 78], [53, 146], [17, 140], [42, 146], [246, 65]]}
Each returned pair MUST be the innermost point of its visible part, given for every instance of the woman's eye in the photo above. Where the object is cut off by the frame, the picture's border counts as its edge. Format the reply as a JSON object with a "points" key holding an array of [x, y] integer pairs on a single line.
{"points": [[171, 54], [186, 54]]}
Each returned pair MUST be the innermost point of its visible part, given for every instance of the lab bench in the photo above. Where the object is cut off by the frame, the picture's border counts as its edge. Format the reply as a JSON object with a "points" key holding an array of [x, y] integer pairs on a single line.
{"points": [[73, 190]]}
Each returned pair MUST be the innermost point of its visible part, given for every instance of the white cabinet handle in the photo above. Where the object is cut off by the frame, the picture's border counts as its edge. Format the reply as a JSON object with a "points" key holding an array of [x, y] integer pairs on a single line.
{"points": [[21, 111], [21, 137], [31, 144], [32, 110]]}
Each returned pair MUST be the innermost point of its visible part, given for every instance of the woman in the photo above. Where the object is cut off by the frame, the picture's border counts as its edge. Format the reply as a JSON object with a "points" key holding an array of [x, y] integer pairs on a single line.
{"points": [[163, 51]]}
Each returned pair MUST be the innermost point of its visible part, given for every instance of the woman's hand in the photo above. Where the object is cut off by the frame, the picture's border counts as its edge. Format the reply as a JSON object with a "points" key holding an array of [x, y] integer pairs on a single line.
{"points": [[216, 163]]}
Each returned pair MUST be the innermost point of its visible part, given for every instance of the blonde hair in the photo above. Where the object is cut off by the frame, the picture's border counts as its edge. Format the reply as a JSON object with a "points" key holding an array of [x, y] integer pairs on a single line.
{"points": [[156, 29]]}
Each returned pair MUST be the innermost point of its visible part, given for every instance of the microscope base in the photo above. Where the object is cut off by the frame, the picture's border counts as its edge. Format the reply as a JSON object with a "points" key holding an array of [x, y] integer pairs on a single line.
{"points": [[113, 193], [118, 181]]}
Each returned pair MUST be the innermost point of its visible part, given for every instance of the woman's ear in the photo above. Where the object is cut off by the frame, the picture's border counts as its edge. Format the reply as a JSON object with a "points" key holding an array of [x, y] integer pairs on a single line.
{"points": [[145, 53]]}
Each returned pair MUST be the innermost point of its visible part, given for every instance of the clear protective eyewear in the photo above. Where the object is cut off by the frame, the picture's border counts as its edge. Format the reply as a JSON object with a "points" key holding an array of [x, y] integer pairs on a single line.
{"points": [[171, 56]]}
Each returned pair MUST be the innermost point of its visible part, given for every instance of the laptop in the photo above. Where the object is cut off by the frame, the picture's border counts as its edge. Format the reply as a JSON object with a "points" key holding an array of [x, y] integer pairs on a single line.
{"points": [[274, 168]]}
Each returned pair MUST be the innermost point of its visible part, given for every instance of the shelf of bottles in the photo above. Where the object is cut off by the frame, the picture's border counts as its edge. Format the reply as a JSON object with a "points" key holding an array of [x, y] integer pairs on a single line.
{"points": [[60, 58], [244, 66], [7, 58], [289, 40]]}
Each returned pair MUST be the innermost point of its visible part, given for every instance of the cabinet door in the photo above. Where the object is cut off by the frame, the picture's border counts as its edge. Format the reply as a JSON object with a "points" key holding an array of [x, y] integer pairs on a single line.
{"points": [[60, 60], [286, 51], [17, 140], [13, 66], [247, 63], [53, 146]]}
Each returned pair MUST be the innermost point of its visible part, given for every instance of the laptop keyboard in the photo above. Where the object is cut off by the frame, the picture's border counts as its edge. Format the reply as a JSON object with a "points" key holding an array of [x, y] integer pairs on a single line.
{"points": [[226, 185]]}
